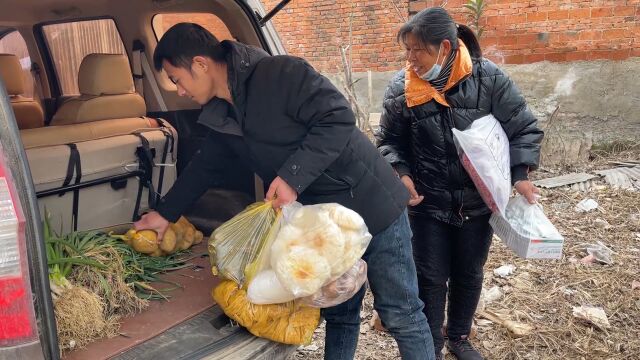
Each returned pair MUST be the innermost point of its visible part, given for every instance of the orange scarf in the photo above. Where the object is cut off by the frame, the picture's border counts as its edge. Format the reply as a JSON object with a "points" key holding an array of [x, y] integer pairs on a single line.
{"points": [[418, 91]]}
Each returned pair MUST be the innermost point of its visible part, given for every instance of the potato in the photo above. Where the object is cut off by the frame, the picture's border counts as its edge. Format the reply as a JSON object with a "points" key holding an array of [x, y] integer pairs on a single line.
{"points": [[178, 230], [168, 244], [199, 237], [189, 237], [157, 253], [145, 241], [129, 236], [182, 221]]}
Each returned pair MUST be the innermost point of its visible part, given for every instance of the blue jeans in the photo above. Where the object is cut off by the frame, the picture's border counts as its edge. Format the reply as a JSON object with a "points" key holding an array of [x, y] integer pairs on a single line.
{"points": [[394, 284]]}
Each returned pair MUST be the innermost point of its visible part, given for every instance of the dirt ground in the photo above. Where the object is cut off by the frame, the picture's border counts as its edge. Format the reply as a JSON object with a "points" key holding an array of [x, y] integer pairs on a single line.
{"points": [[543, 294]]}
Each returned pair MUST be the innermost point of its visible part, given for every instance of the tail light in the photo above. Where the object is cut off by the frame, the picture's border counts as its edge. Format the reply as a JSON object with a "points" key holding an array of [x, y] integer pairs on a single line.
{"points": [[17, 318]]}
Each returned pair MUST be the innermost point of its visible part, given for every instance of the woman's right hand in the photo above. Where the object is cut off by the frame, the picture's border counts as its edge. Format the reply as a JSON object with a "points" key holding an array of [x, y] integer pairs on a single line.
{"points": [[415, 199], [152, 221]]}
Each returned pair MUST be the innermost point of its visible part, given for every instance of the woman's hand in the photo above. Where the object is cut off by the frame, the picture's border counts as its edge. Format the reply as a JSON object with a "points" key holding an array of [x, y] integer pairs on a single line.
{"points": [[415, 199], [528, 190]]}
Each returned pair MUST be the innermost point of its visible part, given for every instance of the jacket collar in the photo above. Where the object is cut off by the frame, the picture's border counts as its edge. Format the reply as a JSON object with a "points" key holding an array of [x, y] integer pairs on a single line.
{"points": [[241, 61], [418, 91]]}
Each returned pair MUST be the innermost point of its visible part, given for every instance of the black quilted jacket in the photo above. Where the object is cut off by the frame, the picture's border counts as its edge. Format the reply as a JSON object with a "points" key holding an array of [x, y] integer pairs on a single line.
{"points": [[418, 141]]}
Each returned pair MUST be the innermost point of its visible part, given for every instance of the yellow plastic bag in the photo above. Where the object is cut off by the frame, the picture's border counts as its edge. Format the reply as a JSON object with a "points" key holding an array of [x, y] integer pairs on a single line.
{"points": [[289, 323], [239, 241]]}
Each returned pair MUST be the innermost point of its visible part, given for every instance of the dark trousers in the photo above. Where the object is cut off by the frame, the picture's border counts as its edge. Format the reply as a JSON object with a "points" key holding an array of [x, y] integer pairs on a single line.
{"points": [[450, 259]]}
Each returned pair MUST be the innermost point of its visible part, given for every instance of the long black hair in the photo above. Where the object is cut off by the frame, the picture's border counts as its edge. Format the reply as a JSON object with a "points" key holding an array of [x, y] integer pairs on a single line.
{"points": [[433, 25]]}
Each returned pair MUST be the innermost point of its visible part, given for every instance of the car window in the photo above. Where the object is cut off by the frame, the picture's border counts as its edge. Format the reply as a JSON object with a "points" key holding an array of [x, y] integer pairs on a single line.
{"points": [[162, 22], [13, 43], [70, 42]]}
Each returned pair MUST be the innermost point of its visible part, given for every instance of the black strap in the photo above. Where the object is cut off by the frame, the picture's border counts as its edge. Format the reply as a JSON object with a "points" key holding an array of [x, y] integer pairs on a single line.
{"points": [[168, 147], [74, 167], [136, 209], [146, 164], [74, 157]]}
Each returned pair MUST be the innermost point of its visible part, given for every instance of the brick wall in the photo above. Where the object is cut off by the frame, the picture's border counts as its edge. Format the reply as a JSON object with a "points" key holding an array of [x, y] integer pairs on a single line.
{"points": [[518, 31], [515, 31], [314, 29]]}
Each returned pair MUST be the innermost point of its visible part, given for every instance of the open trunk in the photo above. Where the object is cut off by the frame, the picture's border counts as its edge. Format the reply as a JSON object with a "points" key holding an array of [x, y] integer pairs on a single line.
{"points": [[102, 152]]}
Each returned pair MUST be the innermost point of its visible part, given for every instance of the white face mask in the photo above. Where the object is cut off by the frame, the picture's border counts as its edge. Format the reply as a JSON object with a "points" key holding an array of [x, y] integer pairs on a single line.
{"points": [[435, 70]]}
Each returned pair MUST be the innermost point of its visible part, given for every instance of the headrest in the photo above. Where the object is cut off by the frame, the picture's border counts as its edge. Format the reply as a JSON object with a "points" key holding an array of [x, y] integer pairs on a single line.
{"points": [[11, 74], [105, 74]]}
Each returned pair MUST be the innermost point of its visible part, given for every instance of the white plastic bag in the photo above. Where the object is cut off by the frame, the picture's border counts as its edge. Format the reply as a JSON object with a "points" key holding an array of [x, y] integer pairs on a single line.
{"points": [[341, 289], [265, 288], [527, 231], [316, 245], [484, 153]]}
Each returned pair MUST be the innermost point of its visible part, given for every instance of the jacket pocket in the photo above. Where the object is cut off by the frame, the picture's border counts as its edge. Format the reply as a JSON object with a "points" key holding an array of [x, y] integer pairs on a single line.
{"points": [[343, 175]]}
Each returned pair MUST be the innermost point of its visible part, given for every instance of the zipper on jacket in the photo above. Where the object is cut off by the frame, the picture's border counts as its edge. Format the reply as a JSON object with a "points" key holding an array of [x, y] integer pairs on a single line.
{"points": [[459, 167]]}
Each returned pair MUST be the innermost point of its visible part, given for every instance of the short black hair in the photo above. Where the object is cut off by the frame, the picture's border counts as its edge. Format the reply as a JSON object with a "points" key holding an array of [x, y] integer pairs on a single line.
{"points": [[182, 42]]}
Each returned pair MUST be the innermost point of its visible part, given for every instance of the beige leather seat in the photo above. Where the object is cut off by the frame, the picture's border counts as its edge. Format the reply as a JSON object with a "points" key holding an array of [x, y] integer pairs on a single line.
{"points": [[95, 142], [106, 92], [28, 112]]}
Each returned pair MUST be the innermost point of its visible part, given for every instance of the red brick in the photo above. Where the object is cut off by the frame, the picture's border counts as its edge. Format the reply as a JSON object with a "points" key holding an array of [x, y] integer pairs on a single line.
{"points": [[514, 59], [531, 58], [624, 10], [601, 12], [590, 35], [527, 39], [517, 19], [507, 40], [621, 54], [415, 6], [558, 15], [487, 41], [577, 55], [537, 16], [555, 57], [582, 13], [569, 36], [614, 34], [495, 20]]}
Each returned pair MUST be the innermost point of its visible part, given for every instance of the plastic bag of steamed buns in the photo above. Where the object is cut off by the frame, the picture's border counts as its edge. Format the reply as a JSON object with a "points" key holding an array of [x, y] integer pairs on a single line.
{"points": [[316, 245]]}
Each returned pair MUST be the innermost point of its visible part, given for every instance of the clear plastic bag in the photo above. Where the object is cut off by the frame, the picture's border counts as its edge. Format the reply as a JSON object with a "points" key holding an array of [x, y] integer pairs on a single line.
{"points": [[484, 153], [316, 245], [341, 289], [527, 231], [239, 242]]}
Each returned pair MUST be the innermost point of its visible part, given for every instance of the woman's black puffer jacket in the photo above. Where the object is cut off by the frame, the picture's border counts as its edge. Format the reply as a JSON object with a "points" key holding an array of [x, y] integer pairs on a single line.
{"points": [[418, 140]]}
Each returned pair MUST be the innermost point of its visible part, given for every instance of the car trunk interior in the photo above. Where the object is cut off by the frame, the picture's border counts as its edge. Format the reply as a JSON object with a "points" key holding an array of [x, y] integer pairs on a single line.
{"points": [[188, 320]]}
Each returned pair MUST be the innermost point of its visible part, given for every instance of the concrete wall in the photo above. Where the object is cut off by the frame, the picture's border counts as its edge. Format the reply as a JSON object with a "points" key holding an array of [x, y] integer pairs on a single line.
{"points": [[599, 99]]}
